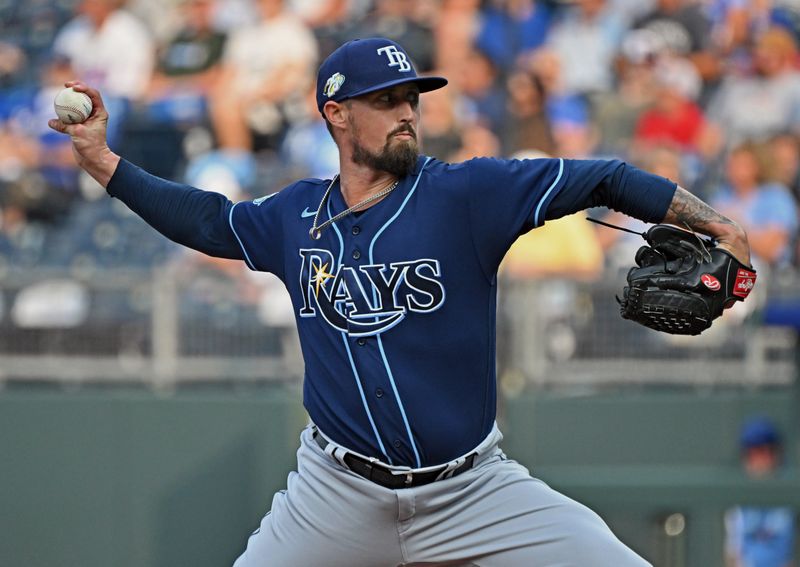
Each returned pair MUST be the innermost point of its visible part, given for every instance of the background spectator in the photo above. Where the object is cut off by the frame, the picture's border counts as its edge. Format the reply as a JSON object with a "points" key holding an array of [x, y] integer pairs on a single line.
{"points": [[482, 97], [176, 104], [736, 22], [617, 111], [441, 136], [403, 22], [266, 69], [760, 536], [188, 64], [683, 29], [765, 209], [455, 32], [765, 101], [674, 118], [527, 123], [307, 146], [110, 48], [509, 29], [586, 41]]}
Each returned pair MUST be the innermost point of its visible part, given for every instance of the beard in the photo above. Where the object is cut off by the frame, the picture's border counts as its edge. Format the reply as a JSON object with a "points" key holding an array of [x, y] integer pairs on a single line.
{"points": [[397, 159]]}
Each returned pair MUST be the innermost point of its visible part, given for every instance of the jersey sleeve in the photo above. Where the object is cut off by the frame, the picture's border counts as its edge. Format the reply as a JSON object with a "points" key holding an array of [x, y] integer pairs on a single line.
{"points": [[507, 198], [513, 193], [184, 214], [258, 229], [616, 185]]}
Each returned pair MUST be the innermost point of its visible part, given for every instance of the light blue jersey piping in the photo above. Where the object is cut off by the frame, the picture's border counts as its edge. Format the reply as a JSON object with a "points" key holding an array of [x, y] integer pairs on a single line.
{"points": [[380, 342], [350, 354], [241, 245], [547, 193]]}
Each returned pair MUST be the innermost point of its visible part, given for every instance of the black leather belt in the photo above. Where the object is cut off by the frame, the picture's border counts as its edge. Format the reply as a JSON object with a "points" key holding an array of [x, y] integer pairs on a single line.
{"points": [[383, 476]]}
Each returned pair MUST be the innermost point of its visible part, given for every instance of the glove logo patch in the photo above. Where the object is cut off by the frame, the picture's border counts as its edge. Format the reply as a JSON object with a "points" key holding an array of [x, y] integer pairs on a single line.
{"points": [[710, 282], [745, 280]]}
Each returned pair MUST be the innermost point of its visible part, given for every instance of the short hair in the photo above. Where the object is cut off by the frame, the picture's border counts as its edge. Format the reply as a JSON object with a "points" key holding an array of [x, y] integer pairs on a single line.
{"points": [[761, 156]]}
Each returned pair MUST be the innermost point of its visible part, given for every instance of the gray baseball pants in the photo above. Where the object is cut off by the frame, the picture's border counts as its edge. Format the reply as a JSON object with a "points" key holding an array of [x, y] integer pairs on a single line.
{"points": [[493, 515]]}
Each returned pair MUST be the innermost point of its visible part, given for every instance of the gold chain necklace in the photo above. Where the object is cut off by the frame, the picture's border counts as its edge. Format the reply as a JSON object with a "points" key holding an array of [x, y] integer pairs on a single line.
{"points": [[316, 231]]}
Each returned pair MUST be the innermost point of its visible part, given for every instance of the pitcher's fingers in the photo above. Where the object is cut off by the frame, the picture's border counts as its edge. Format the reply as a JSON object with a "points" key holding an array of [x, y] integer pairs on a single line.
{"points": [[57, 125], [740, 253], [97, 101]]}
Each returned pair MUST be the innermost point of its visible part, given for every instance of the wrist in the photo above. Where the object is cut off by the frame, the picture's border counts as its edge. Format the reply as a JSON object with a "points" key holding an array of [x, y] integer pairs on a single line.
{"points": [[733, 238], [102, 168]]}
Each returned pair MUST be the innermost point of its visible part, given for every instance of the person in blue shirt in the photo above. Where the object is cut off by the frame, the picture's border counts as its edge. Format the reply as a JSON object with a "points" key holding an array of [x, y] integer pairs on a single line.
{"points": [[766, 209], [758, 536], [391, 266]]}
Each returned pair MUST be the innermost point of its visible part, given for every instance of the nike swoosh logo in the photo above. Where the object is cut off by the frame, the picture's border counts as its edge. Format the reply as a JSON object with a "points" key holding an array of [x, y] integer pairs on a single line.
{"points": [[305, 214]]}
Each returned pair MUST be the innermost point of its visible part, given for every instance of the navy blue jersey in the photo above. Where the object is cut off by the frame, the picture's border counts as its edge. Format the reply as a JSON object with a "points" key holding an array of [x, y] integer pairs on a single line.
{"points": [[395, 305]]}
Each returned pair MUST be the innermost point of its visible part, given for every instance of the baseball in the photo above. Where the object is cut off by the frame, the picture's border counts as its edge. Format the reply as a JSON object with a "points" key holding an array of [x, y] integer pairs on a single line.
{"points": [[72, 107]]}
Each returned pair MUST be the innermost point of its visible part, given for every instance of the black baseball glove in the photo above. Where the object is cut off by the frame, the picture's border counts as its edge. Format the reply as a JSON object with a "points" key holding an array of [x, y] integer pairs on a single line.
{"points": [[681, 283]]}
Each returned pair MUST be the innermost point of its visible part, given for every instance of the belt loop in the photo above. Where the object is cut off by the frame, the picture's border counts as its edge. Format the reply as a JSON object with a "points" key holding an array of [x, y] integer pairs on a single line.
{"points": [[449, 469], [337, 454]]}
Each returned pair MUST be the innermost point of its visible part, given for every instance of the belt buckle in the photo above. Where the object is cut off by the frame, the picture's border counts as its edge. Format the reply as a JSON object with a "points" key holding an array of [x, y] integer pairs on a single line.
{"points": [[409, 478]]}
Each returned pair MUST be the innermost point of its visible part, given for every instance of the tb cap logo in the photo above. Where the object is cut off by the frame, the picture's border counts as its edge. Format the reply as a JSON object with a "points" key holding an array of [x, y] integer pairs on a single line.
{"points": [[396, 58]]}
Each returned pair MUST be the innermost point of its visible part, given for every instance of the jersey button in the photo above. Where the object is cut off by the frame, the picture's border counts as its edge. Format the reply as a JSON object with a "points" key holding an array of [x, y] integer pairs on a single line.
{"points": [[397, 443], [356, 230], [378, 393], [356, 254], [362, 341]]}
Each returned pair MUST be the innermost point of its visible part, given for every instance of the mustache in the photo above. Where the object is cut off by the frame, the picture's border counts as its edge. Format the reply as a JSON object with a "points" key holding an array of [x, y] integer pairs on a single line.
{"points": [[404, 128]]}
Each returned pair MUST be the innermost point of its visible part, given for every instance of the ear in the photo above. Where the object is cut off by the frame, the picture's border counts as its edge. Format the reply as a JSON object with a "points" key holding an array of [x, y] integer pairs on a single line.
{"points": [[336, 113]]}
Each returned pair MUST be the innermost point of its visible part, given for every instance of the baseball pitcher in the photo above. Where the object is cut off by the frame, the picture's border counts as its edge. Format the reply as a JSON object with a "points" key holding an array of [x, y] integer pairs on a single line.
{"points": [[392, 271]]}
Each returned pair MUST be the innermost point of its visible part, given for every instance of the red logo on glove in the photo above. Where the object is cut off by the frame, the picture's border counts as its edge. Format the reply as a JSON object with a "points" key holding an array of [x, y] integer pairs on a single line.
{"points": [[710, 282], [745, 280]]}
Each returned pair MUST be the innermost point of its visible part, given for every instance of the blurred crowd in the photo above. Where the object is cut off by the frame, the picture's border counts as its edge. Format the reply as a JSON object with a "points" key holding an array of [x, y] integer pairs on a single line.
{"points": [[220, 94]]}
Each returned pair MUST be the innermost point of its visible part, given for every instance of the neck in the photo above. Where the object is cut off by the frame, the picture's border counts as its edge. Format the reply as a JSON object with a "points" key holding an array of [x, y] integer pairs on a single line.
{"points": [[358, 182]]}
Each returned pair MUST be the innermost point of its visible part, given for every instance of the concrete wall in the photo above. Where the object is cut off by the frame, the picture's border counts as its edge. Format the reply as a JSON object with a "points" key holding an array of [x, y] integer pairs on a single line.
{"points": [[129, 478]]}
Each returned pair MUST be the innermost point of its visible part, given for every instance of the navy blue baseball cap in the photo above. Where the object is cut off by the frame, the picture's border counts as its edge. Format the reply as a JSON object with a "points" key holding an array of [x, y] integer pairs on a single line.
{"points": [[363, 66], [759, 431]]}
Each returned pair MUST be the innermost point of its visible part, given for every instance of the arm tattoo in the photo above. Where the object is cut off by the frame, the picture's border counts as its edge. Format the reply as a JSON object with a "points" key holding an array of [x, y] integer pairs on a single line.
{"points": [[688, 211]]}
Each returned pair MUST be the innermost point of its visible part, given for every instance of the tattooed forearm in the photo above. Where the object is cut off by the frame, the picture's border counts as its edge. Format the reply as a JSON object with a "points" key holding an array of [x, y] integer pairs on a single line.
{"points": [[688, 211]]}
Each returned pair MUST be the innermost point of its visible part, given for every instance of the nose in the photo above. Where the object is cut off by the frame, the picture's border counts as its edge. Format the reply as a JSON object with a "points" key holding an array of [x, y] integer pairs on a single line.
{"points": [[407, 112]]}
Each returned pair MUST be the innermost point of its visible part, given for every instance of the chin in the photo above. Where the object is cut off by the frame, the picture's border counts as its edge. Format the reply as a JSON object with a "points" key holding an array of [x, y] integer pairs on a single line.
{"points": [[410, 144]]}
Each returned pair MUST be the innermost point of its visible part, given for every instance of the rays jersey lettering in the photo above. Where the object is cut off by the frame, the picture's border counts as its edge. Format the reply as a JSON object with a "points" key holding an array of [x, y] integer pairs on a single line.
{"points": [[367, 300]]}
